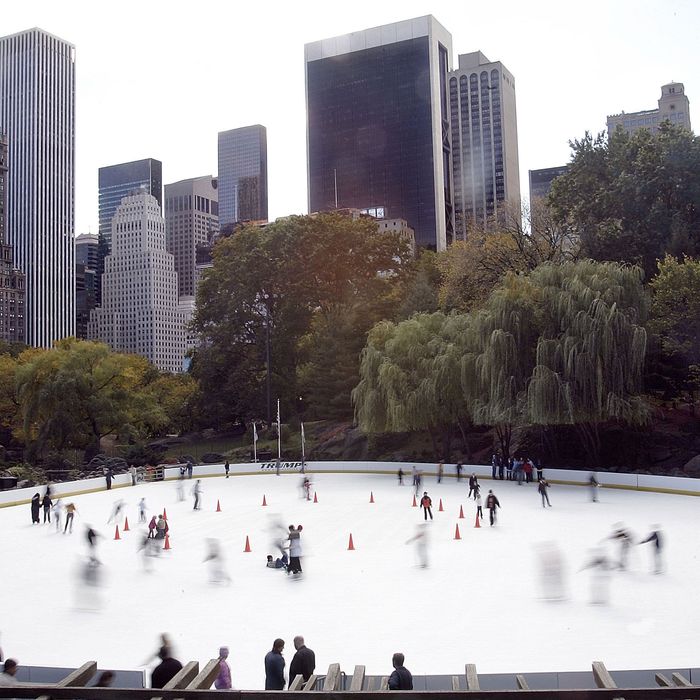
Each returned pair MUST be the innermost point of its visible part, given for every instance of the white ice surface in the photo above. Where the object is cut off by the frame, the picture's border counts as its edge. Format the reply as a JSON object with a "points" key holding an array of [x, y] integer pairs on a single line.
{"points": [[478, 602]]}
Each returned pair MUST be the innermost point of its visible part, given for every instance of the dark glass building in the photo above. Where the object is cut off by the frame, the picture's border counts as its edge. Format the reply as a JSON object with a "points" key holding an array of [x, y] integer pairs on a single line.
{"points": [[243, 175], [378, 125], [541, 181]]}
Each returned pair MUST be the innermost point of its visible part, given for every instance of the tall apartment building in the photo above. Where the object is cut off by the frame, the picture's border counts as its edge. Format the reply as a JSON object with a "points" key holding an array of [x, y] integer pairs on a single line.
{"points": [[37, 114], [378, 125], [87, 258], [243, 175], [541, 181], [140, 310], [191, 219], [484, 142], [11, 279], [673, 106]]}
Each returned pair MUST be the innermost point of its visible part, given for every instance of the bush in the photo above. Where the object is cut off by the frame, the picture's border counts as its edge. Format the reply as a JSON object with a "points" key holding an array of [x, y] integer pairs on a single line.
{"points": [[26, 472]]}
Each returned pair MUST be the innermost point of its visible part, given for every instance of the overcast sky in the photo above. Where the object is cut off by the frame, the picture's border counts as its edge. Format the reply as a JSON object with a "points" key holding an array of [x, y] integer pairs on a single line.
{"points": [[160, 79]]}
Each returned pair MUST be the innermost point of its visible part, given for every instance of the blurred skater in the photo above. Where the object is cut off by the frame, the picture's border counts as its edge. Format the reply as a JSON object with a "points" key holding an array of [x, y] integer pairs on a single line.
{"points": [[623, 536], [458, 469], [150, 549], [421, 540], [427, 506], [492, 503], [217, 570], [551, 571], [71, 510], [197, 493], [593, 485], [142, 510], [91, 537], [440, 470], [542, 489], [116, 511], [600, 576], [657, 539], [36, 507], [295, 550], [419, 479], [400, 475], [180, 486]]}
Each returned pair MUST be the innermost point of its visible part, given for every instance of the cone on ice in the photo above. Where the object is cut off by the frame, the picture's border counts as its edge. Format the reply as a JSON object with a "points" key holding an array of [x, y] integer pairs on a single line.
{"points": [[247, 545], [461, 513], [440, 508], [415, 505], [477, 523], [264, 501], [371, 497], [218, 506], [351, 544], [126, 524], [167, 542], [116, 533], [165, 515], [457, 535], [315, 498]]}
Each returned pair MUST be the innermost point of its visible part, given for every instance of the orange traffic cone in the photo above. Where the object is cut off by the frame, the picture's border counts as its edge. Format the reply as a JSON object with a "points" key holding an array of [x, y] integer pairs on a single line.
{"points": [[165, 515], [440, 508], [415, 505], [371, 497], [351, 544], [477, 523], [126, 524], [457, 535], [218, 506], [315, 498], [461, 513], [116, 533], [264, 501], [167, 542], [247, 545]]}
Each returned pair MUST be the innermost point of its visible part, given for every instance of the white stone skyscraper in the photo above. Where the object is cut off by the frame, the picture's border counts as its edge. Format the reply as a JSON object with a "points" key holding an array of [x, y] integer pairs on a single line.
{"points": [[37, 113], [140, 310]]}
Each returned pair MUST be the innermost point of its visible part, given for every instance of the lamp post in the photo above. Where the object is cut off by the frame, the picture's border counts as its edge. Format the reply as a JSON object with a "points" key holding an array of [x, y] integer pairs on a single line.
{"points": [[267, 359]]}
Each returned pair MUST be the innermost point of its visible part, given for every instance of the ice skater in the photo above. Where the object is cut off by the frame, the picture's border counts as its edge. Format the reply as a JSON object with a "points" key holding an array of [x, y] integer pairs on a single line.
{"points": [[57, 512], [400, 475], [46, 504], [91, 538], [152, 528], [295, 550], [623, 535], [479, 512], [657, 539], [142, 510], [421, 540], [593, 485], [473, 485], [180, 486], [551, 571], [116, 511], [227, 468], [306, 488], [492, 503], [600, 576], [36, 507], [150, 550], [161, 528], [440, 470], [494, 466], [427, 506], [419, 480], [458, 469], [197, 493], [71, 510], [542, 489], [217, 570]]}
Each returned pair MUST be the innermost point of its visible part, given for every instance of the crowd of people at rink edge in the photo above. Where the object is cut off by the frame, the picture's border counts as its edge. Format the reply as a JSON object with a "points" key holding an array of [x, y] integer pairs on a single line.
{"points": [[303, 664]]}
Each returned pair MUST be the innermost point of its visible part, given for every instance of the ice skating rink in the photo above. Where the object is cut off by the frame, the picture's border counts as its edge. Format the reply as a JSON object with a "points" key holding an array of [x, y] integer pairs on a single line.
{"points": [[479, 601]]}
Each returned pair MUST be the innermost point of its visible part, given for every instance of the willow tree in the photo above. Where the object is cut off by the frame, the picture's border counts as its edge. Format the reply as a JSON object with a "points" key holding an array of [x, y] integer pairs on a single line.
{"points": [[401, 388], [591, 348]]}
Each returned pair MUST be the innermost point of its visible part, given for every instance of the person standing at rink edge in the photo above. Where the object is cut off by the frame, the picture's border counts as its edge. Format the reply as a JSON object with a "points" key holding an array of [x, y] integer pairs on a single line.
{"points": [[274, 666], [400, 678]]}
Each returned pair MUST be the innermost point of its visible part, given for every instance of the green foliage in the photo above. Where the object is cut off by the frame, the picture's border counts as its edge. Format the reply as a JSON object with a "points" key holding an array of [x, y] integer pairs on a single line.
{"points": [[633, 198], [27, 472], [420, 291], [291, 279]]}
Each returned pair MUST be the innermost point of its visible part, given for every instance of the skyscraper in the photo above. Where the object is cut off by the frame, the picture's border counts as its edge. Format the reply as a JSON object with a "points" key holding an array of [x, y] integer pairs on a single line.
{"points": [[140, 310], [484, 142], [11, 279], [673, 106], [243, 175], [37, 114], [541, 181], [378, 125], [117, 181], [86, 265], [191, 219]]}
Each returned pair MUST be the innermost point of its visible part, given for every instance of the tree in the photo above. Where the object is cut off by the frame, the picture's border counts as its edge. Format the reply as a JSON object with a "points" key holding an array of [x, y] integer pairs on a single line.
{"points": [[675, 323], [632, 198], [292, 280], [421, 289]]}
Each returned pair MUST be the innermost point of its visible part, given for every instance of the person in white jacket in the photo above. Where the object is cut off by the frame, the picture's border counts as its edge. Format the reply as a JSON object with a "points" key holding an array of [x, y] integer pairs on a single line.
{"points": [[294, 550]]}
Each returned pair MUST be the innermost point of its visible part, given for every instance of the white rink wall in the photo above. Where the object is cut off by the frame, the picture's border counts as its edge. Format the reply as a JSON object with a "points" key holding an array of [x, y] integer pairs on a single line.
{"points": [[616, 480]]}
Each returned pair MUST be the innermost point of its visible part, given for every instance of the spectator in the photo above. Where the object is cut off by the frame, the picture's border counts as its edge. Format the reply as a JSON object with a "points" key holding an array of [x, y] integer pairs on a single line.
{"points": [[109, 475], [400, 678], [274, 666], [304, 661], [105, 679], [166, 669], [7, 677], [36, 506], [223, 680]]}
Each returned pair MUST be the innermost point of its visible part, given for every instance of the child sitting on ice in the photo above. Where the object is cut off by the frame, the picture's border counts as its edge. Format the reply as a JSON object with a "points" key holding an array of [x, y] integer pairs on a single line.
{"points": [[279, 563]]}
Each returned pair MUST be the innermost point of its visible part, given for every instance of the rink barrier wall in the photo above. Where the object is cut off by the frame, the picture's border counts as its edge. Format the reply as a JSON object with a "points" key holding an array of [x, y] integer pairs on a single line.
{"points": [[684, 486]]}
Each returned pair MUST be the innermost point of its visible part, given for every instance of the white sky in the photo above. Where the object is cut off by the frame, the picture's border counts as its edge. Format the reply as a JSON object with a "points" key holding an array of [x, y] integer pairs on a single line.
{"points": [[160, 79]]}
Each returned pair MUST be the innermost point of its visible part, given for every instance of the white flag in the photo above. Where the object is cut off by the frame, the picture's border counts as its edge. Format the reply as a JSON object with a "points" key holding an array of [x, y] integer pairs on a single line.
{"points": [[302, 438], [279, 427], [255, 433]]}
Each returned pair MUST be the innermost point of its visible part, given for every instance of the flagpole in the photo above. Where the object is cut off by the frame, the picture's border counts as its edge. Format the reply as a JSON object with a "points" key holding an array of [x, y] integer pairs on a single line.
{"points": [[279, 434], [255, 443], [302, 448]]}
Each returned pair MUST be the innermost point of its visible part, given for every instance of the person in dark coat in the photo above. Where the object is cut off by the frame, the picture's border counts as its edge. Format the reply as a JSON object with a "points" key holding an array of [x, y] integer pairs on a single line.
{"points": [[304, 661], [227, 467], [542, 490], [36, 505], [492, 503], [657, 539], [274, 666], [108, 478], [427, 506], [400, 678], [46, 504], [166, 669], [473, 485]]}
